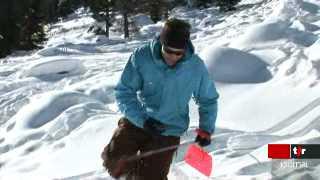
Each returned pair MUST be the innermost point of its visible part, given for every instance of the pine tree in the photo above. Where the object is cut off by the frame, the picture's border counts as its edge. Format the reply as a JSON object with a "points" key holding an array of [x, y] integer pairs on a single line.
{"points": [[50, 8], [32, 31], [126, 8], [5, 45], [22, 21], [175, 3], [202, 3], [21, 25], [227, 5], [102, 11], [156, 9], [66, 7], [12, 14]]}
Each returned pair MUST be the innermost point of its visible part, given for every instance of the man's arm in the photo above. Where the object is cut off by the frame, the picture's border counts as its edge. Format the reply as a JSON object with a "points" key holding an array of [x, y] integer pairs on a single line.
{"points": [[206, 97], [126, 93]]}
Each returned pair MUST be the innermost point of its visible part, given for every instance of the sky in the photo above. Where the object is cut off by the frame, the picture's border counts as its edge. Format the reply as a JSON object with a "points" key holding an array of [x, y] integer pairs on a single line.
{"points": [[58, 110]]}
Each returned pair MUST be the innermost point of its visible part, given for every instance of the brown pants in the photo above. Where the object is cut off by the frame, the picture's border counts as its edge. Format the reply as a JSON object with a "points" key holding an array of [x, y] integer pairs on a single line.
{"points": [[127, 141]]}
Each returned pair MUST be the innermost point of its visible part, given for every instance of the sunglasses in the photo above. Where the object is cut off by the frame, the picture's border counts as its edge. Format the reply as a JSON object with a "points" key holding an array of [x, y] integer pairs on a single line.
{"points": [[171, 51]]}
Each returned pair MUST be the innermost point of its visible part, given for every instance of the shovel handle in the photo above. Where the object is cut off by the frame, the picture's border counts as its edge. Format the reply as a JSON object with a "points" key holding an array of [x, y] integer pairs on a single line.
{"points": [[152, 152]]}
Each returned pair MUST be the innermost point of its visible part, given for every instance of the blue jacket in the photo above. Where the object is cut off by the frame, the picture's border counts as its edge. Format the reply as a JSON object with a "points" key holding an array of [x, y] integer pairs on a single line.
{"points": [[148, 87]]}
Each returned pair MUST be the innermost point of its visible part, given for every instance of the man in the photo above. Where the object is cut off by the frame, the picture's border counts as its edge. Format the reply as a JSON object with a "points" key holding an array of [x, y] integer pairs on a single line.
{"points": [[153, 94]]}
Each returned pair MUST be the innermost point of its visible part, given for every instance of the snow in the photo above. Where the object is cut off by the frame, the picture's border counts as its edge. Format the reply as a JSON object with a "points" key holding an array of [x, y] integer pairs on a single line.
{"points": [[150, 30], [141, 20], [288, 9], [234, 66], [261, 33], [58, 110], [312, 51], [54, 68], [283, 24], [269, 56]]}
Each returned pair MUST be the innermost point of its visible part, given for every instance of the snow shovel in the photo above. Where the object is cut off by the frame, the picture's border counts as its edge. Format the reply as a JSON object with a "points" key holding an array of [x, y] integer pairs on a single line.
{"points": [[199, 159], [195, 156]]}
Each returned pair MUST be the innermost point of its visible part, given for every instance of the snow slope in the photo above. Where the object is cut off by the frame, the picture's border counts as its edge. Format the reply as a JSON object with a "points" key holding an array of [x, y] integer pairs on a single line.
{"points": [[57, 107]]}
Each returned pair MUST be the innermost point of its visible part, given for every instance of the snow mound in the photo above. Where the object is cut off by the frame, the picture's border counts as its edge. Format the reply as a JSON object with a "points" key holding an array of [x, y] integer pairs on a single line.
{"points": [[234, 66], [288, 9], [274, 31], [313, 54], [250, 141], [72, 118], [51, 51], [313, 51], [141, 20], [150, 30], [304, 26], [261, 33], [78, 48], [54, 68], [269, 55], [287, 23], [55, 113], [310, 7], [304, 38], [103, 92], [46, 107]]}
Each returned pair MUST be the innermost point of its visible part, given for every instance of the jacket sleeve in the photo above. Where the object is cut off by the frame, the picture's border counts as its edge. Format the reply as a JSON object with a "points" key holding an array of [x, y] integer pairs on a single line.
{"points": [[126, 93], [206, 98]]}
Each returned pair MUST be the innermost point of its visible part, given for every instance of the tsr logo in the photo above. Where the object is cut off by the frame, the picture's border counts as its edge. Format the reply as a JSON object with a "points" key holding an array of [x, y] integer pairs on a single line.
{"points": [[298, 151]]}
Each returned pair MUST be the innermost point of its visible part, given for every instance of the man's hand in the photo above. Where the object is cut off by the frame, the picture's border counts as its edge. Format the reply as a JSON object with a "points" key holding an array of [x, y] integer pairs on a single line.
{"points": [[203, 138]]}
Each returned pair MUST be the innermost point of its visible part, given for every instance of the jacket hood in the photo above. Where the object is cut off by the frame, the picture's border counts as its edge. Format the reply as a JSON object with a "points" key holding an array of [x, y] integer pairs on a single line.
{"points": [[155, 46]]}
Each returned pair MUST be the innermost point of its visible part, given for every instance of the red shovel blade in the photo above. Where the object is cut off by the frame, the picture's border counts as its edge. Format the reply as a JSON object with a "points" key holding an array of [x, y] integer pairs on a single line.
{"points": [[199, 159]]}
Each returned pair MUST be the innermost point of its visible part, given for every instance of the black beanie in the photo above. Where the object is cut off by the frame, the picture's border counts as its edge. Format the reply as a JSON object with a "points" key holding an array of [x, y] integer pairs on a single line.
{"points": [[175, 33]]}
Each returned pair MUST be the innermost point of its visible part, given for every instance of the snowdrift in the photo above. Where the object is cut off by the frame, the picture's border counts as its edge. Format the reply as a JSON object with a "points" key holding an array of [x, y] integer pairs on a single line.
{"points": [[230, 65]]}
